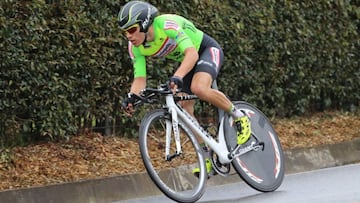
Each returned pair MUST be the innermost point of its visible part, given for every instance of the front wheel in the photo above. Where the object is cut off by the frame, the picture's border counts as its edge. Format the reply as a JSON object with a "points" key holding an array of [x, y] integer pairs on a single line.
{"points": [[263, 167], [172, 176]]}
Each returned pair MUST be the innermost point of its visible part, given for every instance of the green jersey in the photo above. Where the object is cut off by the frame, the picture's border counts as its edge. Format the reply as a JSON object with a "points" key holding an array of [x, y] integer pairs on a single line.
{"points": [[172, 35]]}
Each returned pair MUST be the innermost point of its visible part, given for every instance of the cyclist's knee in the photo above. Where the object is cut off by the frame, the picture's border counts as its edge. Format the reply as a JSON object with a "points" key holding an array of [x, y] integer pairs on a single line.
{"points": [[200, 91], [201, 84]]}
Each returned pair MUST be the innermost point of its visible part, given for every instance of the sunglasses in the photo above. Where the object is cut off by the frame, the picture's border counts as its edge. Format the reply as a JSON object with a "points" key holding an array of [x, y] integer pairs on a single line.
{"points": [[132, 29]]}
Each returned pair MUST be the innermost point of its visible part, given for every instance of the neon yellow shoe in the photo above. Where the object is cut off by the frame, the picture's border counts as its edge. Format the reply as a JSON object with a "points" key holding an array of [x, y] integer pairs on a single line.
{"points": [[243, 129], [196, 171]]}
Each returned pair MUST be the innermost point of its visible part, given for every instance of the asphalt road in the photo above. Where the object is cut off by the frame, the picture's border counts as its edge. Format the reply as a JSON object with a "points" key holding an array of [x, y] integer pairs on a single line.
{"points": [[338, 184]]}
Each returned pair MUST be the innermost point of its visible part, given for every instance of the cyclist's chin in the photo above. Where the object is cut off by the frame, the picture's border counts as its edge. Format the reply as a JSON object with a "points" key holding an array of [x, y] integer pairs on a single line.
{"points": [[135, 42]]}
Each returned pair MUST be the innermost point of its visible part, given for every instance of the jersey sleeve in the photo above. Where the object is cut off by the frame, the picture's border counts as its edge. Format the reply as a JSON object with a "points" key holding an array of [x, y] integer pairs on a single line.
{"points": [[174, 31], [138, 60]]}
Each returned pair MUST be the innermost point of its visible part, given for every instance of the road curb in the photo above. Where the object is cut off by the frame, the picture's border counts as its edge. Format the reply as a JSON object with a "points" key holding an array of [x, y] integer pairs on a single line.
{"points": [[106, 190]]}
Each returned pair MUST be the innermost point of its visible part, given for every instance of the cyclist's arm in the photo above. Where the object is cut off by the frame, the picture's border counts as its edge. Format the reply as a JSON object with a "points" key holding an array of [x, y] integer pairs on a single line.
{"points": [[138, 84], [191, 57], [186, 46], [139, 64]]}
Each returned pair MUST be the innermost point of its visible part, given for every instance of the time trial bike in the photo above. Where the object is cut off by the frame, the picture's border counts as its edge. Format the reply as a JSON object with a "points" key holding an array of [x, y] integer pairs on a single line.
{"points": [[170, 149]]}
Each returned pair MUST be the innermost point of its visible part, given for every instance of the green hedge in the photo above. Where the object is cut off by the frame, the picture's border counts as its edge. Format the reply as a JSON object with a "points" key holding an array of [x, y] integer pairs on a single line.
{"points": [[65, 67], [291, 57]]}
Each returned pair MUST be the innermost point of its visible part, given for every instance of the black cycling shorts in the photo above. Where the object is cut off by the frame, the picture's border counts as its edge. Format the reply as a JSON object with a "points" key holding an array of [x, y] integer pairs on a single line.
{"points": [[211, 57]]}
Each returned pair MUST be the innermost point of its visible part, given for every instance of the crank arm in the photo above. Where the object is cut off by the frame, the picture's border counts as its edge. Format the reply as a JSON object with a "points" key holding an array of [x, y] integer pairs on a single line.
{"points": [[252, 147]]}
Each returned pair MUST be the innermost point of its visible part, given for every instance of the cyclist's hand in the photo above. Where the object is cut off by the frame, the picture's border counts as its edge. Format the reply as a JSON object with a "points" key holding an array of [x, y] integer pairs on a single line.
{"points": [[128, 103], [175, 82]]}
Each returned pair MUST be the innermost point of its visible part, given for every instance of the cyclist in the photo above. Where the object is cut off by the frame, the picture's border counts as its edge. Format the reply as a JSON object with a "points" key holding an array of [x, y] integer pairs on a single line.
{"points": [[175, 37]]}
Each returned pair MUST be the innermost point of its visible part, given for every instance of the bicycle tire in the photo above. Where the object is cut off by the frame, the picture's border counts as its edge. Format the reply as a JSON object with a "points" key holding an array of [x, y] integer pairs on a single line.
{"points": [[264, 169], [174, 178]]}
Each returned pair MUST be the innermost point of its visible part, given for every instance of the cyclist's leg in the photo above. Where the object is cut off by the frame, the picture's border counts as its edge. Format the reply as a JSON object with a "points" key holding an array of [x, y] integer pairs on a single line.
{"points": [[201, 86], [201, 83], [210, 61], [188, 105], [206, 70]]}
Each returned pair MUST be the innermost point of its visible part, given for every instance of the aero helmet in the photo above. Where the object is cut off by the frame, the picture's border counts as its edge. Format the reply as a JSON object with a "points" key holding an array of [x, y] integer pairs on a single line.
{"points": [[137, 12]]}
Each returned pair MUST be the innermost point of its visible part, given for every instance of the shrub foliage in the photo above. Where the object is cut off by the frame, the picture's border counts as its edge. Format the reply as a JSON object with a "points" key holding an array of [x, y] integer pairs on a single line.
{"points": [[65, 67]]}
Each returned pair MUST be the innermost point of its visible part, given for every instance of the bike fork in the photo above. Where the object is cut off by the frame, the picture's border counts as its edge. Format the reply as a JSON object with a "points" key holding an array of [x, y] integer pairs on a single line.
{"points": [[172, 126]]}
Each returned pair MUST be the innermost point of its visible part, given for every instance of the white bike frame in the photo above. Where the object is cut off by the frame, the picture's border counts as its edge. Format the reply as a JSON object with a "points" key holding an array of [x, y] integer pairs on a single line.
{"points": [[219, 147]]}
